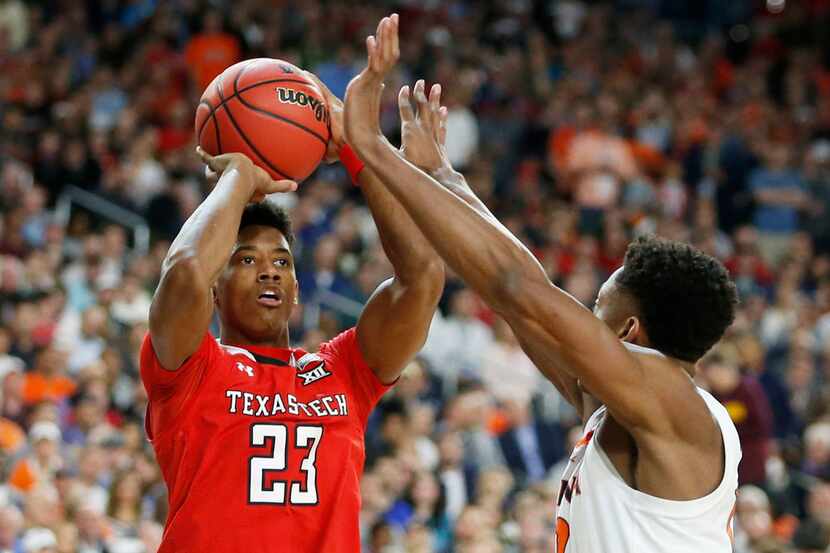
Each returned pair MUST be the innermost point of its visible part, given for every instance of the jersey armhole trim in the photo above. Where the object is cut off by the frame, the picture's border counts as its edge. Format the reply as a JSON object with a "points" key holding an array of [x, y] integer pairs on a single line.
{"points": [[669, 508], [665, 508]]}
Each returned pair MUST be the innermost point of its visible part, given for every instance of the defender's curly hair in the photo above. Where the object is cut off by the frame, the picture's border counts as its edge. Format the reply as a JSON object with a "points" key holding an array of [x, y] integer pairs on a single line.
{"points": [[268, 214], [686, 298]]}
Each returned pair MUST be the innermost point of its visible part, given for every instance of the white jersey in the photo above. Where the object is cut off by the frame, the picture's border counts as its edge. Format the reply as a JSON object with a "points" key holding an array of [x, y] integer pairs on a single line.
{"points": [[599, 513]]}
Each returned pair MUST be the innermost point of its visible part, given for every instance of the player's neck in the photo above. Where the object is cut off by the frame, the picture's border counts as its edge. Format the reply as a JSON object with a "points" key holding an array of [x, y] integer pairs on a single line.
{"points": [[233, 337]]}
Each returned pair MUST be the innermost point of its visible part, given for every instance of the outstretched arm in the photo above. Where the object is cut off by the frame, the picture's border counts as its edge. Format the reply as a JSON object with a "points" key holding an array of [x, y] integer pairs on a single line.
{"points": [[394, 324], [499, 268], [426, 129], [182, 305]]}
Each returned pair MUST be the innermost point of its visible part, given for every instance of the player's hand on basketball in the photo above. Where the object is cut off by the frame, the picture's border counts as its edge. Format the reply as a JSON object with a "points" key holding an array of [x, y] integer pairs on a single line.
{"points": [[263, 184], [335, 104], [423, 131]]}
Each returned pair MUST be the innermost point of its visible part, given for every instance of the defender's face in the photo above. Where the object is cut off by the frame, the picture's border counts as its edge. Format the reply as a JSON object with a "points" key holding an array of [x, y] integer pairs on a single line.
{"points": [[613, 306], [605, 296], [258, 288]]}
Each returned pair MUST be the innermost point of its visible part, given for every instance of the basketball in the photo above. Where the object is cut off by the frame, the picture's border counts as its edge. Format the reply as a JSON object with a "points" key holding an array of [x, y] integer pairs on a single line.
{"points": [[268, 110]]}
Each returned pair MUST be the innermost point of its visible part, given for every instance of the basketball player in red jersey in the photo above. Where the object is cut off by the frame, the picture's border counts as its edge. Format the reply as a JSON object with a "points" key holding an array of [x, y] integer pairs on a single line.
{"points": [[261, 445], [656, 469]]}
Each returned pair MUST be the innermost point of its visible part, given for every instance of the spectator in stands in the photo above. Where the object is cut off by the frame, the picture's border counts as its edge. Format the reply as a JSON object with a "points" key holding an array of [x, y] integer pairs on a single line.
{"points": [[48, 379], [506, 370], [748, 407], [530, 446], [780, 194], [39, 469], [11, 526], [717, 138], [817, 450], [211, 51], [817, 175], [39, 540], [456, 344], [813, 534]]}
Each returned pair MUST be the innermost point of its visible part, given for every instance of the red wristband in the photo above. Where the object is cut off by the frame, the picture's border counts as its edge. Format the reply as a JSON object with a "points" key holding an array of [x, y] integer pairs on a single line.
{"points": [[351, 162]]}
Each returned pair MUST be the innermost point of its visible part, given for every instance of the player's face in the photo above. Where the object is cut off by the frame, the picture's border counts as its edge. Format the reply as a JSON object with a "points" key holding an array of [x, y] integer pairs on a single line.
{"points": [[606, 290], [613, 307], [258, 288]]}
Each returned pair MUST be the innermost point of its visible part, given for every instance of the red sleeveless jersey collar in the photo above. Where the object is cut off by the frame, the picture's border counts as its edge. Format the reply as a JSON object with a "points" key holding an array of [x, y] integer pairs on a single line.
{"points": [[271, 355]]}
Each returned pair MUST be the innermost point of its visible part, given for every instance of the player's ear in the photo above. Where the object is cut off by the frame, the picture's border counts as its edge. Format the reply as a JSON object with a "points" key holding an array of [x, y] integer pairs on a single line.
{"points": [[630, 330], [296, 293]]}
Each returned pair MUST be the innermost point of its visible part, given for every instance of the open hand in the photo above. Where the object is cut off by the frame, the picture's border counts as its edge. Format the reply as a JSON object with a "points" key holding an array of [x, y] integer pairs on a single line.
{"points": [[361, 117], [258, 177], [423, 132], [383, 48]]}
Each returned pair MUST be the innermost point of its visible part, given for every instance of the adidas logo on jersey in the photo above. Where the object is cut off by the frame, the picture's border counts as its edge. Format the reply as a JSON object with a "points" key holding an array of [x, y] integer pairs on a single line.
{"points": [[311, 368]]}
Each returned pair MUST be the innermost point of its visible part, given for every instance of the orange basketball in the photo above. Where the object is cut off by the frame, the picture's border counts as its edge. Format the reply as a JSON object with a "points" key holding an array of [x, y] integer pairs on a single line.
{"points": [[268, 110]]}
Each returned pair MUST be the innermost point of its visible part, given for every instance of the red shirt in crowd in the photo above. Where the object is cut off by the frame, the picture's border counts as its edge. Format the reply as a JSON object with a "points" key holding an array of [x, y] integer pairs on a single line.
{"points": [[208, 54]]}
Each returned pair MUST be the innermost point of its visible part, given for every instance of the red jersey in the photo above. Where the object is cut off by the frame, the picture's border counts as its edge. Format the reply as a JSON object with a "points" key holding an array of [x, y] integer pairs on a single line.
{"points": [[261, 448]]}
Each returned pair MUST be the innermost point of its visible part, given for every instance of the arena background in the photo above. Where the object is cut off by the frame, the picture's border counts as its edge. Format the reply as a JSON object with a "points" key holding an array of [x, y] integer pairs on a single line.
{"points": [[581, 124]]}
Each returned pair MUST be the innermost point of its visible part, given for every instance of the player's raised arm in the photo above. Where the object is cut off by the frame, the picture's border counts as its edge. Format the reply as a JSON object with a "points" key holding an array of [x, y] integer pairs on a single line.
{"points": [[424, 133], [183, 303], [394, 324], [507, 276]]}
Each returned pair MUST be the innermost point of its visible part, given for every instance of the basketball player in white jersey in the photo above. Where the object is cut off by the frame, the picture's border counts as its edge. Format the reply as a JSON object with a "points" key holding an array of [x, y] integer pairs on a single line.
{"points": [[656, 470]]}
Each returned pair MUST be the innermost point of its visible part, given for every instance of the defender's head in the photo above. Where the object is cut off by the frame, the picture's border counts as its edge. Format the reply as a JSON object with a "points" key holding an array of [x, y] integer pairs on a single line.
{"points": [[670, 297], [258, 288]]}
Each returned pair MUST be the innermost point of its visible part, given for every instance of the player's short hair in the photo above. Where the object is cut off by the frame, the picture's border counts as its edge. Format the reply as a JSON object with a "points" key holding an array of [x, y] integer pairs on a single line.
{"points": [[686, 298], [268, 214]]}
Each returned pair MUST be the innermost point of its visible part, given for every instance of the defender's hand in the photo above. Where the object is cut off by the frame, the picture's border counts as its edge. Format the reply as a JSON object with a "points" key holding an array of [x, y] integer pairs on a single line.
{"points": [[260, 180], [383, 48], [335, 104], [361, 117], [423, 133]]}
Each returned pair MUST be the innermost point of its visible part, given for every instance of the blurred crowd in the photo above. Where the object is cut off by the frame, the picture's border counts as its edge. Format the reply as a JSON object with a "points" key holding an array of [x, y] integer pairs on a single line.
{"points": [[581, 124]]}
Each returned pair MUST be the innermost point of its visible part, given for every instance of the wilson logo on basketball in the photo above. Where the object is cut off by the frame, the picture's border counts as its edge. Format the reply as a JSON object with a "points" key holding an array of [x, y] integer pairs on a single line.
{"points": [[318, 107]]}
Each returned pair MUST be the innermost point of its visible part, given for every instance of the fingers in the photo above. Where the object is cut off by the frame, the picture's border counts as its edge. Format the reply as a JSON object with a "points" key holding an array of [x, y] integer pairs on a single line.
{"points": [[266, 185], [278, 186], [442, 126], [434, 104], [214, 165], [396, 48], [371, 53], [320, 84], [383, 48], [390, 33], [207, 159], [405, 105], [421, 101]]}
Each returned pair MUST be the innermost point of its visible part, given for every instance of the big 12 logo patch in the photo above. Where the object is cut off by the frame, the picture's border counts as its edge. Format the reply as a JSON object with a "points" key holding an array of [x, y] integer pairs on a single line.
{"points": [[311, 368]]}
